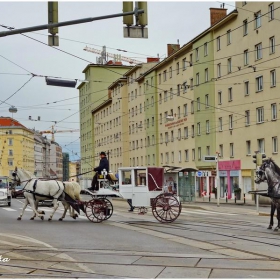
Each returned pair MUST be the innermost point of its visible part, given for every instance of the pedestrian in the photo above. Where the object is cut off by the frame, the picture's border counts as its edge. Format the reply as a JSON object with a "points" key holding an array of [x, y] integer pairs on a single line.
{"points": [[103, 164], [129, 201]]}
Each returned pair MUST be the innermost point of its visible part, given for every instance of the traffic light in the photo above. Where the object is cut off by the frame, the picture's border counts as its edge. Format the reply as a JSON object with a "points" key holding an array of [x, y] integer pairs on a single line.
{"points": [[258, 159], [128, 7], [143, 18]]}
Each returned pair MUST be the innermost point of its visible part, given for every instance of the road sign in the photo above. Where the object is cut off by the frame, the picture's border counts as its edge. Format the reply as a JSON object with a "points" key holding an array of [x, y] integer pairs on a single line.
{"points": [[210, 158], [203, 173]]}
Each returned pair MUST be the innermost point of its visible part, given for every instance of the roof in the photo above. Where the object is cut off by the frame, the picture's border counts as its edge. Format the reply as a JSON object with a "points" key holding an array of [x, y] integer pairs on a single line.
{"points": [[7, 121]]}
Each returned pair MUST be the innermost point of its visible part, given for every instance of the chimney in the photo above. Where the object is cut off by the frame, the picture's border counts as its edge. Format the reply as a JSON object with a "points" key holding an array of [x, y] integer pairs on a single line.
{"points": [[152, 59], [216, 14], [172, 48]]}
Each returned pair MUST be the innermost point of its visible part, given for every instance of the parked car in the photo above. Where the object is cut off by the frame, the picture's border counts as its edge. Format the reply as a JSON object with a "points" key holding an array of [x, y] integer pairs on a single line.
{"points": [[5, 192], [17, 192]]}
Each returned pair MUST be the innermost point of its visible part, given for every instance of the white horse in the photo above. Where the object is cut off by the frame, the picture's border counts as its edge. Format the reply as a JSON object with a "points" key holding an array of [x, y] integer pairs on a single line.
{"points": [[36, 190], [73, 189]]}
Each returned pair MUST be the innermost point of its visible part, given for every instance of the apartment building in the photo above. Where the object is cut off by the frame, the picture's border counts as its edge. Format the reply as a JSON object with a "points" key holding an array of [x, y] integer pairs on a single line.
{"points": [[17, 146], [92, 94], [56, 164], [215, 95]]}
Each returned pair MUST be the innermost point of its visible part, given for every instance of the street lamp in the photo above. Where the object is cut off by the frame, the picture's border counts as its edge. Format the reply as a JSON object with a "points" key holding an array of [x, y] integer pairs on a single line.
{"points": [[12, 110], [61, 83]]}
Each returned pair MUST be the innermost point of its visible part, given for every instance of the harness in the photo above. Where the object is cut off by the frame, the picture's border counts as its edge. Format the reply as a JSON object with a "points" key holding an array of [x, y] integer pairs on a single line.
{"points": [[38, 194]]}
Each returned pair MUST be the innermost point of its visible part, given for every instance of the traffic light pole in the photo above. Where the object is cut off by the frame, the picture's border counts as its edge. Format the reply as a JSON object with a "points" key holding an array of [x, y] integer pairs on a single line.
{"points": [[65, 23]]}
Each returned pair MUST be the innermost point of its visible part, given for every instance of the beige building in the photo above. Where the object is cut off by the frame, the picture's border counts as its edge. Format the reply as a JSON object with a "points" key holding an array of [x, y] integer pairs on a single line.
{"points": [[215, 95], [73, 171], [17, 146]]}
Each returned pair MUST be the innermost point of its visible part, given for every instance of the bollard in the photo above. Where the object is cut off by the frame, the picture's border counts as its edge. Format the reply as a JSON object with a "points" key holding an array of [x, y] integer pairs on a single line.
{"points": [[244, 198], [226, 197], [209, 197], [235, 198]]}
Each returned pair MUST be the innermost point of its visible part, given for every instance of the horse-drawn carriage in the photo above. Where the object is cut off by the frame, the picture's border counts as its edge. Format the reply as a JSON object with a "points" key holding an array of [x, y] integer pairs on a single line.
{"points": [[142, 185]]}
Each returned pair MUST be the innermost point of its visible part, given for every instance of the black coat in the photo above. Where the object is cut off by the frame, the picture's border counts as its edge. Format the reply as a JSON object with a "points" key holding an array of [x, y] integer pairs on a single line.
{"points": [[103, 164]]}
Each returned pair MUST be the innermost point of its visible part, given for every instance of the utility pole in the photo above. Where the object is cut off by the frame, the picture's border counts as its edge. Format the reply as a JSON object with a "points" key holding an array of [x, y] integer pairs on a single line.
{"points": [[217, 180]]}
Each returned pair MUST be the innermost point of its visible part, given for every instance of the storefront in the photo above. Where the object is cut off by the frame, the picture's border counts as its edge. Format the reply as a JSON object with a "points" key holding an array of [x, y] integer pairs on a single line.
{"points": [[230, 178], [205, 183]]}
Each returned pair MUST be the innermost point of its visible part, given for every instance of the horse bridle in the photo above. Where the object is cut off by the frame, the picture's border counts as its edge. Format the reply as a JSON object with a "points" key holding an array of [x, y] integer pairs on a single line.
{"points": [[261, 171]]}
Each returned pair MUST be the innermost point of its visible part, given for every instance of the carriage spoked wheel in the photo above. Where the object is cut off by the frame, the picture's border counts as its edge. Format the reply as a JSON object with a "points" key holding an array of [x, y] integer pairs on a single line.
{"points": [[99, 209], [166, 208]]}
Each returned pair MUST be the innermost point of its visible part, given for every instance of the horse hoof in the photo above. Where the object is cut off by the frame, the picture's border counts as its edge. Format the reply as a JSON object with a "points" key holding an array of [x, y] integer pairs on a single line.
{"points": [[269, 227], [19, 218], [43, 213], [42, 218], [276, 229], [32, 218], [60, 219], [49, 219], [76, 216]]}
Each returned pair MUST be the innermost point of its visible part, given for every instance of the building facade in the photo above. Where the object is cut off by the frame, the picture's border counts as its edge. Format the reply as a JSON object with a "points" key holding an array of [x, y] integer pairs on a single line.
{"points": [[17, 146], [214, 96], [56, 162]]}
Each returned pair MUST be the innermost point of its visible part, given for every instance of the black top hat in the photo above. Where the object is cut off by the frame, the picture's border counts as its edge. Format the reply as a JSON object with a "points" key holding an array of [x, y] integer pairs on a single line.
{"points": [[103, 153]]}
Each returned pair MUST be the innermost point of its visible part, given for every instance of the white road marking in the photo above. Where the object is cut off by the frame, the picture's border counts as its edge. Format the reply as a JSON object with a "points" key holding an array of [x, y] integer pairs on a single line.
{"points": [[8, 209], [205, 212]]}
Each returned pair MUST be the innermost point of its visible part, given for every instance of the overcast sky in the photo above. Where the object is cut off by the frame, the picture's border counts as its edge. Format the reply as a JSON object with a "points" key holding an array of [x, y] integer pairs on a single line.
{"points": [[20, 56]]}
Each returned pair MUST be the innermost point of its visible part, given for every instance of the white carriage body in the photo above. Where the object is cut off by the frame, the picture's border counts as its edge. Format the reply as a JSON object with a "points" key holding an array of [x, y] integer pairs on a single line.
{"points": [[141, 184]]}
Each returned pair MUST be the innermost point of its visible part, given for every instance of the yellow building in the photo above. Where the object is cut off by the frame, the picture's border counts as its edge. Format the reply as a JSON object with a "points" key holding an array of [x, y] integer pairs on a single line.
{"points": [[17, 146], [72, 171]]}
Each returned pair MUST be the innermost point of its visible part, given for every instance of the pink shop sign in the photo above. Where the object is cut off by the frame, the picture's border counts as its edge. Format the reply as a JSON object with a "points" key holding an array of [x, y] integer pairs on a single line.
{"points": [[230, 165]]}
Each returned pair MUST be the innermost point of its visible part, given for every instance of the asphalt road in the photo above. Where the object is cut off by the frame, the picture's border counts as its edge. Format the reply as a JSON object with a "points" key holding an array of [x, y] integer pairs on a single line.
{"points": [[224, 242]]}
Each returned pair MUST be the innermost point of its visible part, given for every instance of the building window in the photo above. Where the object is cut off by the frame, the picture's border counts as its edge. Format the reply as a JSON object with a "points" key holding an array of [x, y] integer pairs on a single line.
{"points": [[258, 19], [261, 146], [159, 79], [185, 87], [186, 155], [192, 130], [178, 90], [172, 136], [246, 57], [229, 65], [207, 150], [185, 110], [220, 124], [11, 153], [166, 157], [192, 107], [186, 132], [205, 49], [178, 68], [230, 94], [248, 147], [199, 153], [193, 154], [191, 59], [274, 145], [260, 115], [258, 51], [171, 93], [273, 111], [230, 121], [219, 70], [184, 64], [259, 83], [229, 37], [273, 78], [179, 112], [10, 162], [245, 27], [246, 88], [206, 75], [191, 83], [231, 149], [172, 156], [161, 158], [165, 96], [271, 45], [207, 127], [159, 99], [10, 142], [271, 12], [198, 128], [197, 79], [170, 72], [197, 54], [247, 117], [198, 103], [221, 150], [218, 43], [219, 97], [206, 100]]}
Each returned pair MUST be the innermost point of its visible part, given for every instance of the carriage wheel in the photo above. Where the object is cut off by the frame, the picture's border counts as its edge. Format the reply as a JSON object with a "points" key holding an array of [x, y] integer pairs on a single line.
{"points": [[166, 208], [89, 211], [103, 209]]}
